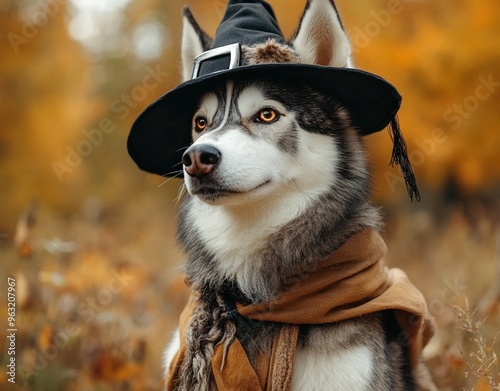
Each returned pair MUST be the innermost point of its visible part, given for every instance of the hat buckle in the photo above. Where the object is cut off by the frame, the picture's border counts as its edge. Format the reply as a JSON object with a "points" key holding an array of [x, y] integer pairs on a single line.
{"points": [[234, 51]]}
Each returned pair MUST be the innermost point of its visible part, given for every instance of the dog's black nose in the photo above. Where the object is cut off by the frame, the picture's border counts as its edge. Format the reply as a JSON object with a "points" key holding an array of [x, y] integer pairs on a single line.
{"points": [[200, 160]]}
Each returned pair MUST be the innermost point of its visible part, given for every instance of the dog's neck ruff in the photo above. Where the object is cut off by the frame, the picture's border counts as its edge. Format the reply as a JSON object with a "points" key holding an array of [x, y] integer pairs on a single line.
{"points": [[351, 282]]}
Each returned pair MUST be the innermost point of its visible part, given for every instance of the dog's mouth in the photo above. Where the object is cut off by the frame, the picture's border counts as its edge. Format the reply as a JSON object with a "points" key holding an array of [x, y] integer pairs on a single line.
{"points": [[211, 193]]}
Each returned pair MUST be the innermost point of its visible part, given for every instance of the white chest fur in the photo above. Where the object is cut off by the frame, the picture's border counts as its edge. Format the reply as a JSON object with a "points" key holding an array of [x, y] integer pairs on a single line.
{"points": [[346, 370]]}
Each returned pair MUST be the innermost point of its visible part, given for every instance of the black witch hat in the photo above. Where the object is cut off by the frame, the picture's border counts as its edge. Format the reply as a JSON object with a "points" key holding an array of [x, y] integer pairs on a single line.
{"points": [[163, 130]]}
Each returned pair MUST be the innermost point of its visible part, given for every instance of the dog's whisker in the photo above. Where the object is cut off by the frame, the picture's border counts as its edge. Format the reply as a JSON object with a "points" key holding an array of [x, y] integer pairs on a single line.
{"points": [[182, 191], [177, 175], [176, 172]]}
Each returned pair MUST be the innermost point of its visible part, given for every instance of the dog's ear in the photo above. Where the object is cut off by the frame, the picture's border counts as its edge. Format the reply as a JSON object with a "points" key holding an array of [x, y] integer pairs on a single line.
{"points": [[194, 41], [320, 38]]}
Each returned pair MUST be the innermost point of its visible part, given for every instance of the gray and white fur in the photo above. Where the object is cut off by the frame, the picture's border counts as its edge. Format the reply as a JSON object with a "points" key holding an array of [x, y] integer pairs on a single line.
{"points": [[277, 198]]}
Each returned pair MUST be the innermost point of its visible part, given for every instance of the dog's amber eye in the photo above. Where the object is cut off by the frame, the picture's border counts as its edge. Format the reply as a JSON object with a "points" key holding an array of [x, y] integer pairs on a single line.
{"points": [[267, 116], [200, 123]]}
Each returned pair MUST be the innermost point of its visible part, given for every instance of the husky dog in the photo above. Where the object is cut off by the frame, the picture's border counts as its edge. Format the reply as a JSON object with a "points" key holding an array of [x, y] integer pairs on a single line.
{"points": [[277, 180]]}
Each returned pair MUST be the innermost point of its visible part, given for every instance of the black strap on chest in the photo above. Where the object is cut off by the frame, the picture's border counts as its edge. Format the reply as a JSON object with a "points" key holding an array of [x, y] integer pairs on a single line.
{"points": [[244, 326]]}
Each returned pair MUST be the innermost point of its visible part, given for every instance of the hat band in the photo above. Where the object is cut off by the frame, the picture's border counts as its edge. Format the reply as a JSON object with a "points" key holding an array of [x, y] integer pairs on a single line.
{"points": [[233, 50]]}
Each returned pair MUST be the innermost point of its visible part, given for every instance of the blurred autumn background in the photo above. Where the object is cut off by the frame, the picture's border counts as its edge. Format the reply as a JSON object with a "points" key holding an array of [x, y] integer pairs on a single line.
{"points": [[90, 240]]}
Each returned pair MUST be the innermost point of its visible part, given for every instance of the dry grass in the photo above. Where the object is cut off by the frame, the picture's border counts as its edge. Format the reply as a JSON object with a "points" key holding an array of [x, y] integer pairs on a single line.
{"points": [[99, 292], [481, 359]]}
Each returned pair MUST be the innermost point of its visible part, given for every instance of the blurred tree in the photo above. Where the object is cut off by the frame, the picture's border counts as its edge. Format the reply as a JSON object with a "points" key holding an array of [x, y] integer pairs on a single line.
{"points": [[46, 100], [66, 108], [444, 58]]}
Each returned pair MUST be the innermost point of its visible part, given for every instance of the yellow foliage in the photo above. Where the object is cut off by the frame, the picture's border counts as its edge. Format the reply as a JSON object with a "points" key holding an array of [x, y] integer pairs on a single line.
{"points": [[435, 53], [116, 287], [45, 102]]}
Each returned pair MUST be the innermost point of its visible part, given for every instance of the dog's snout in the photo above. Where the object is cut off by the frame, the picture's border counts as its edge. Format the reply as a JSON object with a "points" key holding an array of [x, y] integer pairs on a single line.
{"points": [[200, 160]]}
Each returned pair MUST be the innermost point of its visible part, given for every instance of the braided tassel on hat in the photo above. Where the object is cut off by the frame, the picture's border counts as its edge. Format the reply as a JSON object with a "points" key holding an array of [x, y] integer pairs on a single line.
{"points": [[400, 158]]}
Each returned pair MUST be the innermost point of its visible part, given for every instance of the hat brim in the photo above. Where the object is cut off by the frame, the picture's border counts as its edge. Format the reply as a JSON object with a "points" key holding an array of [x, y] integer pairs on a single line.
{"points": [[162, 132]]}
